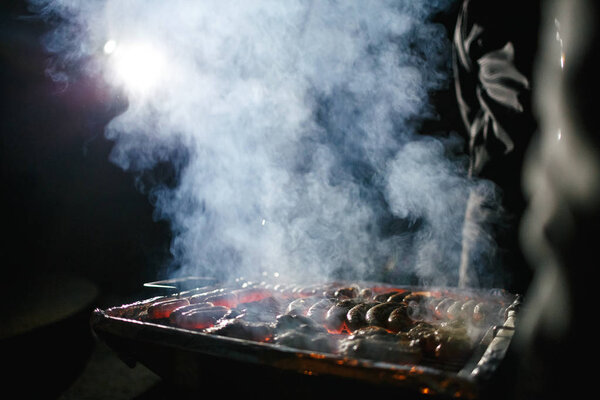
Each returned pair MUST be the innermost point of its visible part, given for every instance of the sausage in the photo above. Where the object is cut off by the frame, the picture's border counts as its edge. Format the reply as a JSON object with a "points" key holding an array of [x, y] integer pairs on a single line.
{"points": [[336, 315], [300, 306], [201, 297], [442, 306], [318, 311], [187, 308], [365, 293], [202, 318], [383, 297], [356, 316], [428, 342], [346, 293], [418, 305], [227, 299], [376, 348], [264, 310], [371, 331], [379, 314], [163, 309], [399, 319], [420, 329], [456, 328], [466, 310], [398, 297], [453, 347], [236, 328], [416, 297], [320, 342], [454, 311], [328, 291]]}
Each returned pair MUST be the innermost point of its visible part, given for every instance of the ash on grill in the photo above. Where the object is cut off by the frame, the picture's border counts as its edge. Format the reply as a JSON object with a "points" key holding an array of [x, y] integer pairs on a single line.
{"points": [[397, 325]]}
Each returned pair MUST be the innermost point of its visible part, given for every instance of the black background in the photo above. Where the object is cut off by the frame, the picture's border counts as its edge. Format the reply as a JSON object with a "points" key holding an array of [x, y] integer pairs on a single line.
{"points": [[67, 207], [77, 233]]}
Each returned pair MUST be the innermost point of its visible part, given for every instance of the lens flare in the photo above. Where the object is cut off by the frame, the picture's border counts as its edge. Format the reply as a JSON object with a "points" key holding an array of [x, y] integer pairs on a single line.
{"points": [[140, 66]]}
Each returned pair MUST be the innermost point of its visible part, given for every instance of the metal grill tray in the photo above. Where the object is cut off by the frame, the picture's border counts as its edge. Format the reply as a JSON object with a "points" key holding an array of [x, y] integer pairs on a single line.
{"points": [[208, 363]]}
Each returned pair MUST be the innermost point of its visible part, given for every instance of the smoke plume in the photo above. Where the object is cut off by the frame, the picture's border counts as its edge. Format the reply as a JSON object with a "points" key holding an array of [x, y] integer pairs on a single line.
{"points": [[291, 127]]}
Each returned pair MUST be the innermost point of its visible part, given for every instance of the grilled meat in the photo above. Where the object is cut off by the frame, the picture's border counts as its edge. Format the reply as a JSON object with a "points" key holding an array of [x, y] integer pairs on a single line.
{"points": [[394, 325]]}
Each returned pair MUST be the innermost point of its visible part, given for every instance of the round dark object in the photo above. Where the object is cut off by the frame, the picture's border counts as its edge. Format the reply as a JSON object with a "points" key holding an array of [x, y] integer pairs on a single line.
{"points": [[399, 319], [356, 316], [318, 311], [398, 297], [379, 314], [336, 315]]}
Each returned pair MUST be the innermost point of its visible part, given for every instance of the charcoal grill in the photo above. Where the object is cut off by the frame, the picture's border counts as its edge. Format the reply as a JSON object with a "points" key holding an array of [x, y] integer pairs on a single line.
{"points": [[201, 362]]}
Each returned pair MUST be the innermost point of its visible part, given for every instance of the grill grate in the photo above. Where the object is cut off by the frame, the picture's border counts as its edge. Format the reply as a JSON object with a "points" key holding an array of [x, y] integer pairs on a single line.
{"points": [[129, 327]]}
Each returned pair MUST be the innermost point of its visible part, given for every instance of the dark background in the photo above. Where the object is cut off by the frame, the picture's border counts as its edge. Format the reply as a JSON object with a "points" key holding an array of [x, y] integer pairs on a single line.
{"points": [[68, 208], [78, 234]]}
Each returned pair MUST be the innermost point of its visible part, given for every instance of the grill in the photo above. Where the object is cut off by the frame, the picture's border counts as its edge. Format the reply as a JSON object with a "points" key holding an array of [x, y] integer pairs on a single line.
{"points": [[211, 360]]}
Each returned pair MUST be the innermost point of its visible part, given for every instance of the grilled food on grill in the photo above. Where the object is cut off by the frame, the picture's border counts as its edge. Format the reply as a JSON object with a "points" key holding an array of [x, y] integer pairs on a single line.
{"points": [[356, 316], [176, 315], [378, 323], [335, 318], [379, 314], [201, 318], [164, 308]]}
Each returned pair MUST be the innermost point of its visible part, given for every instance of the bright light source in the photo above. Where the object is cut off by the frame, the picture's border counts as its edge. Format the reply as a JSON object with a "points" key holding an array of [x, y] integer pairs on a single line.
{"points": [[110, 47], [138, 66]]}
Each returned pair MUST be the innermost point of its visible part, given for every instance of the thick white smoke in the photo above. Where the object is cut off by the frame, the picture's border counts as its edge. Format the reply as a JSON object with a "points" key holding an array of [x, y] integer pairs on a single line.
{"points": [[291, 124]]}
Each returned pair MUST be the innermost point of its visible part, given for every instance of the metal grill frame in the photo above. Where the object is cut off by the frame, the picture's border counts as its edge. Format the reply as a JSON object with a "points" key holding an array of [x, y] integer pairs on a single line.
{"points": [[182, 356]]}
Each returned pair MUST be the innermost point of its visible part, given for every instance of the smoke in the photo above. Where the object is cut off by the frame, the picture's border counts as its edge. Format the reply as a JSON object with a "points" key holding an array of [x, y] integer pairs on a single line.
{"points": [[291, 126]]}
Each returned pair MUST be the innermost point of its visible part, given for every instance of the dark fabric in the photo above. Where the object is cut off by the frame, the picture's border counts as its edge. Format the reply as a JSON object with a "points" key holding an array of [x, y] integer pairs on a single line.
{"points": [[495, 45]]}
